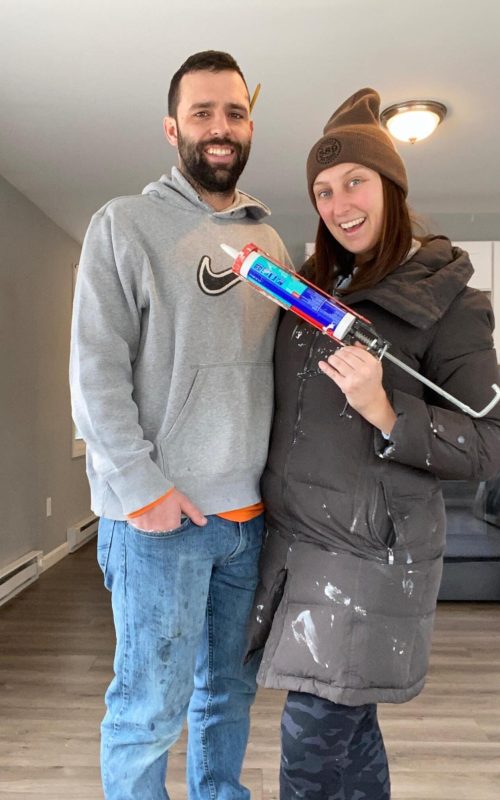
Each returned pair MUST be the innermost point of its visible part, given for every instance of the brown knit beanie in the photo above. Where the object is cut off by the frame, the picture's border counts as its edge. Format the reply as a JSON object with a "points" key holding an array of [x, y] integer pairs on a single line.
{"points": [[353, 134]]}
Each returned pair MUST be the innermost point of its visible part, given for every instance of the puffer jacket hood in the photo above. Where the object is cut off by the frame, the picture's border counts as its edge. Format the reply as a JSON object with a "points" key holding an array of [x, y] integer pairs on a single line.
{"points": [[422, 289]]}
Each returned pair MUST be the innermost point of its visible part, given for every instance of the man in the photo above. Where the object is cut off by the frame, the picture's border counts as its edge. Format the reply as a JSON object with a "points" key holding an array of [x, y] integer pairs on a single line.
{"points": [[171, 374]]}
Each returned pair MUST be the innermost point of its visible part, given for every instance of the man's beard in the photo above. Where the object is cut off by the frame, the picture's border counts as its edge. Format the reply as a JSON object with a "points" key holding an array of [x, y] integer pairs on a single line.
{"points": [[213, 178]]}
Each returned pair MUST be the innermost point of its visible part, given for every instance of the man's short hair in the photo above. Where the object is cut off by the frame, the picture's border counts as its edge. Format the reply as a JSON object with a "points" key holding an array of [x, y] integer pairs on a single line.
{"points": [[211, 60]]}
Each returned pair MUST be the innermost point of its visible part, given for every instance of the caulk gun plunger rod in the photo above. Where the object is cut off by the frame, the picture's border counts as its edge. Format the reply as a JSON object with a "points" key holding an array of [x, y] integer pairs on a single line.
{"points": [[467, 409]]}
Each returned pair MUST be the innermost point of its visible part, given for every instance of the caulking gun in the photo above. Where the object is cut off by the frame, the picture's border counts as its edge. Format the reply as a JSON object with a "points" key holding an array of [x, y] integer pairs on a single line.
{"points": [[324, 312]]}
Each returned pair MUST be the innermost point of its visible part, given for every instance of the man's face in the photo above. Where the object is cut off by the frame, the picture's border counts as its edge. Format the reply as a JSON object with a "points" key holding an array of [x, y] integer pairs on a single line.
{"points": [[212, 130]]}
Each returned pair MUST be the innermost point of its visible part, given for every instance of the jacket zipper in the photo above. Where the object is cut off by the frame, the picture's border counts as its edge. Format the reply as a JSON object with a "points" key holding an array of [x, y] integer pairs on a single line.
{"points": [[390, 551], [381, 493], [298, 418]]}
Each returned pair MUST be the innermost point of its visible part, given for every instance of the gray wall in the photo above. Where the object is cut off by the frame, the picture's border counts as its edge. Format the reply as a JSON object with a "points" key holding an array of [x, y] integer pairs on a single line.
{"points": [[299, 228], [482, 227], [36, 259]]}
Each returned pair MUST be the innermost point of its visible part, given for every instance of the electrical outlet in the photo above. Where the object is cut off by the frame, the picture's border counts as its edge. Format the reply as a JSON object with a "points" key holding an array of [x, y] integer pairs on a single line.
{"points": [[48, 506]]}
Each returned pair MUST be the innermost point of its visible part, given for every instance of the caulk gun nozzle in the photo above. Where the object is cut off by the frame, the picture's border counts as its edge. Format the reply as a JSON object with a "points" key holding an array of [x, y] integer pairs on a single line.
{"points": [[230, 251]]}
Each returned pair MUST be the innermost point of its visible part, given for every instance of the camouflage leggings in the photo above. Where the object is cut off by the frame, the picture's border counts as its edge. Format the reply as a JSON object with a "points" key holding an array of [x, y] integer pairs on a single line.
{"points": [[331, 751]]}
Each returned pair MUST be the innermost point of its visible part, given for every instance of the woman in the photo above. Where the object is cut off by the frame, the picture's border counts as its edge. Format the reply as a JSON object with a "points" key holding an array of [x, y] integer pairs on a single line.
{"points": [[356, 524]]}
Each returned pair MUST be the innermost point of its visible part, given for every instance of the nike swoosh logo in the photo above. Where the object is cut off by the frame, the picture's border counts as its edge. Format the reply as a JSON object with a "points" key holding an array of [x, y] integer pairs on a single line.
{"points": [[213, 283]]}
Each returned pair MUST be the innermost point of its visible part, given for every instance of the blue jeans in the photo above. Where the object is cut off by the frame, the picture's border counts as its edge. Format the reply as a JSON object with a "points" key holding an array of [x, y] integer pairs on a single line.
{"points": [[180, 605]]}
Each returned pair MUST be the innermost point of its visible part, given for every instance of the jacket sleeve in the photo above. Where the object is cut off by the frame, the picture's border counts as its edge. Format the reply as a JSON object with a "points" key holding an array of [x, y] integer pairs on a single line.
{"points": [[435, 435], [105, 338]]}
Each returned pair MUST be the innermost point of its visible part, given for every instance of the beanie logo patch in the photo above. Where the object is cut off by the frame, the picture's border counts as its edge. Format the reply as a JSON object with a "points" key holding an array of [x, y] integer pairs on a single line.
{"points": [[329, 151]]}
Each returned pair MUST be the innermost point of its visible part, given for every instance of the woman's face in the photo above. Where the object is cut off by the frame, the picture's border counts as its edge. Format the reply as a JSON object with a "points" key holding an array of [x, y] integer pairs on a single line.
{"points": [[350, 201]]}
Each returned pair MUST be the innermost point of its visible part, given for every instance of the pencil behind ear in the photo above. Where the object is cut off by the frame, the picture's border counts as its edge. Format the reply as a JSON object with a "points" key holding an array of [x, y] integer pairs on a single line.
{"points": [[255, 96]]}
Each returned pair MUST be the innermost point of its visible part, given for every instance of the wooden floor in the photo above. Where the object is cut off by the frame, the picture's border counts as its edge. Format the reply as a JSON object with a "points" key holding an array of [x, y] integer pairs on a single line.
{"points": [[56, 644]]}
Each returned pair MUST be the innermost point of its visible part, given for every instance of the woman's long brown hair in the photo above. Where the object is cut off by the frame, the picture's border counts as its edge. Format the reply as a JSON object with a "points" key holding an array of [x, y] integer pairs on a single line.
{"points": [[331, 259]]}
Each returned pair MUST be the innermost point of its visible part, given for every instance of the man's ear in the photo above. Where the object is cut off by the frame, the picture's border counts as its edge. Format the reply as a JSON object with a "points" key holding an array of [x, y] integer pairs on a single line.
{"points": [[170, 128]]}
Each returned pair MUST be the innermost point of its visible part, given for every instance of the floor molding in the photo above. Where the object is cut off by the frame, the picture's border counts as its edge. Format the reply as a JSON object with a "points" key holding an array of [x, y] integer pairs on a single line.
{"points": [[49, 559]]}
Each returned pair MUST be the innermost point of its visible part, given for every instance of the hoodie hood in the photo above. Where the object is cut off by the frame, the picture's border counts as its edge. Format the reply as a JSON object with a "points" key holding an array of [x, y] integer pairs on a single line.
{"points": [[422, 289], [177, 189]]}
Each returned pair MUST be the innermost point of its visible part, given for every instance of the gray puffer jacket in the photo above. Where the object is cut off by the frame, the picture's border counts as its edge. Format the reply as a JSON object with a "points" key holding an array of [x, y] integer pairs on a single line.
{"points": [[352, 561]]}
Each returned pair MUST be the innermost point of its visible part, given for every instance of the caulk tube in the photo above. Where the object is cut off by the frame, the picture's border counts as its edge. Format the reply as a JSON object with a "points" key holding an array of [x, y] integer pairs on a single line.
{"points": [[291, 291]]}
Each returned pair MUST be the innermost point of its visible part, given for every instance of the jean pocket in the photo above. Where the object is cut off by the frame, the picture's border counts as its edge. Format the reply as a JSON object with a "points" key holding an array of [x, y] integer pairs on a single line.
{"points": [[183, 527], [104, 540]]}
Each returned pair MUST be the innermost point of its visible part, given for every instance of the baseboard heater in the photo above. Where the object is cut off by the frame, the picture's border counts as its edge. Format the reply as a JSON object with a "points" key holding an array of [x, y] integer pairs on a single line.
{"points": [[19, 574], [81, 532]]}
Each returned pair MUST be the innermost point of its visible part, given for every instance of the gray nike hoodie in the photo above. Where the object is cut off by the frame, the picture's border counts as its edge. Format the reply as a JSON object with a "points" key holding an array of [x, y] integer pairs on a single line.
{"points": [[171, 354]]}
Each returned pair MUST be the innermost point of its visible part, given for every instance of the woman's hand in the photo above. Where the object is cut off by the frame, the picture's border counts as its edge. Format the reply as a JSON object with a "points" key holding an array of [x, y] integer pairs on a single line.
{"points": [[358, 374]]}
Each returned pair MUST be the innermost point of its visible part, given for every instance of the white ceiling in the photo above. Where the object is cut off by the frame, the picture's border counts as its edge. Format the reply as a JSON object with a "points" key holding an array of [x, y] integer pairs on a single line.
{"points": [[83, 89]]}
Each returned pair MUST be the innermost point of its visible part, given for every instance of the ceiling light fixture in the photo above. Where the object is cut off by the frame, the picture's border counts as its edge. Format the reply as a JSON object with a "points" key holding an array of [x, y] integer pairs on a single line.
{"points": [[413, 120]]}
